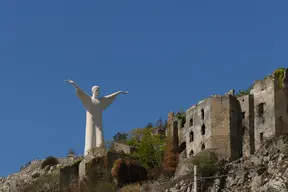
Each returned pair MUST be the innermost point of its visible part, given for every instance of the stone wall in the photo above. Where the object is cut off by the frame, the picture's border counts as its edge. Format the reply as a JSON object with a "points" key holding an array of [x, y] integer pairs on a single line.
{"points": [[235, 128], [281, 105], [264, 110], [247, 114], [220, 125], [197, 120]]}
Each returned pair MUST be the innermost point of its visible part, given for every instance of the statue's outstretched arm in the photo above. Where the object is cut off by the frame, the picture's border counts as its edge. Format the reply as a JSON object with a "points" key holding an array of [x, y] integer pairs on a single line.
{"points": [[108, 99], [80, 93], [115, 94]]}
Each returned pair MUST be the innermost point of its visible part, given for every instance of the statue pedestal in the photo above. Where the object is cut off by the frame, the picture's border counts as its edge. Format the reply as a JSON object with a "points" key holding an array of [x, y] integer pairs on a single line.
{"points": [[94, 156], [93, 168], [97, 152]]}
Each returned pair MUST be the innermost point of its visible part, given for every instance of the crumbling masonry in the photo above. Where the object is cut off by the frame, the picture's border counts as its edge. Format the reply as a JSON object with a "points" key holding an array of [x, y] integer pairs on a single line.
{"points": [[234, 126]]}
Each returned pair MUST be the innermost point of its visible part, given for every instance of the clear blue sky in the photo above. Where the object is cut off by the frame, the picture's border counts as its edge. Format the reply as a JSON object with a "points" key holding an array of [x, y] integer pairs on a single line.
{"points": [[167, 54]]}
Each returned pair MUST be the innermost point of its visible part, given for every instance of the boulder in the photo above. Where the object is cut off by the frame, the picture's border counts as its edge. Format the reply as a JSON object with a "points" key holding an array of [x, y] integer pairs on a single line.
{"points": [[183, 168], [69, 175]]}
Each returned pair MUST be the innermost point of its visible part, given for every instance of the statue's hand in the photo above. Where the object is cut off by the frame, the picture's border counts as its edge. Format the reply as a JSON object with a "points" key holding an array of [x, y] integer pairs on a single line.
{"points": [[124, 92], [70, 82]]}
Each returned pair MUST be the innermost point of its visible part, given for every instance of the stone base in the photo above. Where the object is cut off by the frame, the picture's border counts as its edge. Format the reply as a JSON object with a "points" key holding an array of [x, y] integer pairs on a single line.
{"points": [[69, 175], [94, 157], [97, 152], [96, 166]]}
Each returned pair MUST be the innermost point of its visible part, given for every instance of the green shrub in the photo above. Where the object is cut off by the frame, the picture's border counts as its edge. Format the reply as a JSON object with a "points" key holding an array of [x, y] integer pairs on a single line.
{"points": [[76, 161], [244, 92], [49, 161], [279, 74], [170, 157], [127, 171], [148, 147], [206, 162]]}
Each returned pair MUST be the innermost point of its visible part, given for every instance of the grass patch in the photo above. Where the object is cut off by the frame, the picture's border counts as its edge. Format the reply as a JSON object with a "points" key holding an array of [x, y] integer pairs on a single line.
{"points": [[279, 74]]}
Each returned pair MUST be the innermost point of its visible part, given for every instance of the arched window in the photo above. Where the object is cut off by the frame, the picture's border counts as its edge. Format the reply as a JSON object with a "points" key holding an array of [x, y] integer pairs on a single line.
{"points": [[191, 122], [203, 129], [191, 136], [202, 113]]}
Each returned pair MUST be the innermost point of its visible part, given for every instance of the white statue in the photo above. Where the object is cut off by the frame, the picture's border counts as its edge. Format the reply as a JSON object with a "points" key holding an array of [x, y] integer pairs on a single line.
{"points": [[94, 107]]}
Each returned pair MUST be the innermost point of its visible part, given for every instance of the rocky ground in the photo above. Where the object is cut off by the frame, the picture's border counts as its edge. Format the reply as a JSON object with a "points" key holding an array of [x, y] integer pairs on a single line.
{"points": [[32, 172], [265, 171]]}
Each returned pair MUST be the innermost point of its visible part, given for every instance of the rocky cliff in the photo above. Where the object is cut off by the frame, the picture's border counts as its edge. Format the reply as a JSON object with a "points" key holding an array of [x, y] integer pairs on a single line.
{"points": [[265, 171], [45, 178]]}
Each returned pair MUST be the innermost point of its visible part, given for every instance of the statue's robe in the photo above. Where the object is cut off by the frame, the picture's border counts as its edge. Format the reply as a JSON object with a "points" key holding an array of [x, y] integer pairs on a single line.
{"points": [[94, 131]]}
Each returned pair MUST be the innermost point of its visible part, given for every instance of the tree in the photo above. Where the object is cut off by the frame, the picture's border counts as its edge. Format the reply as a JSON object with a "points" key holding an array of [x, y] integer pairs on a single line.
{"points": [[170, 158], [71, 152], [149, 125], [149, 147], [120, 137]]}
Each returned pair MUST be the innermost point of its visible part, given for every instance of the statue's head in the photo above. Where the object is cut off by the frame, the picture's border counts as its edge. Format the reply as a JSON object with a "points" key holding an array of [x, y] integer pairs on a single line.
{"points": [[95, 90]]}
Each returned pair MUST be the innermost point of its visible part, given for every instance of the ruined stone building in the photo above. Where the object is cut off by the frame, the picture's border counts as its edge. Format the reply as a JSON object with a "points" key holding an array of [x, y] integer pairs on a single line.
{"points": [[234, 126]]}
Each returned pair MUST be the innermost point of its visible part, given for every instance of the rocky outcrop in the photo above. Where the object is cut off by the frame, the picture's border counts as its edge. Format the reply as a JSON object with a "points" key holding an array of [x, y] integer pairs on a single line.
{"points": [[121, 148], [32, 173], [183, 168], [69, 175], [266, 170]]}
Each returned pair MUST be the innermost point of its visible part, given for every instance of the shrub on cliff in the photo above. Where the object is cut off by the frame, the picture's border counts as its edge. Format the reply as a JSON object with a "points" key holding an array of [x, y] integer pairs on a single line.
{"points": [[170, 158], [206, 162], [49, 161], [149, 147], [128, 171], [120, 137], [279, 74]]}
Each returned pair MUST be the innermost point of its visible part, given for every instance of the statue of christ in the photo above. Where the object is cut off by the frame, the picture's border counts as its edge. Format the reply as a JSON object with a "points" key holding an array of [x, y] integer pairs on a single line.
{"points": [[94, 106]]}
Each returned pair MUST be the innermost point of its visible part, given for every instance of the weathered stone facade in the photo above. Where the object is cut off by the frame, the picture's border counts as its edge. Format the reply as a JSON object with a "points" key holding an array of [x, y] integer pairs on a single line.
{"points": [[247, 115], [235, 126]]}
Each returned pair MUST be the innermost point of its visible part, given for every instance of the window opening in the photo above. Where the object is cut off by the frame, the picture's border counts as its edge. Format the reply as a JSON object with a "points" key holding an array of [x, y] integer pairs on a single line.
{"points": [[202, 113], [261, 137], [260, 109], [203, 146], [203, 129], [191, 122], [191, 136]]}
